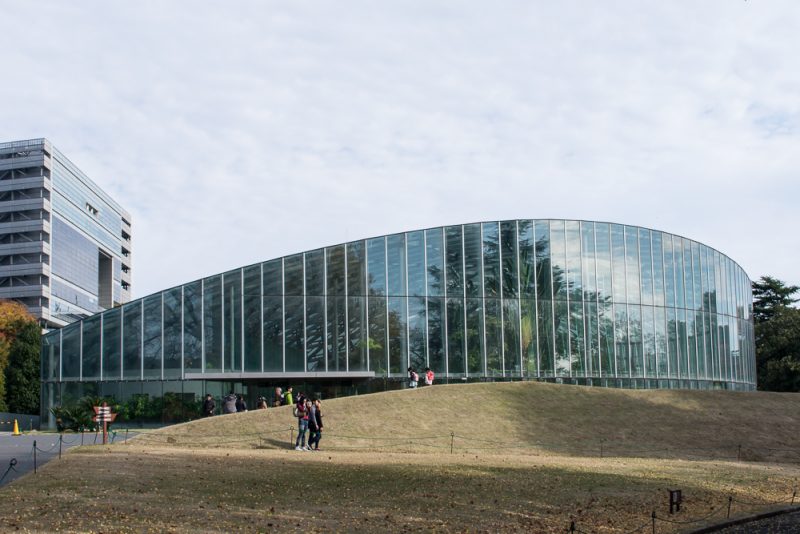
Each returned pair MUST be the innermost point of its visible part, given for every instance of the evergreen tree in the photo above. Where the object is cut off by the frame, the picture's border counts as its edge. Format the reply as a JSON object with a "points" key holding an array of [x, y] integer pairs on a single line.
{"points": [[22, 373], [777, 335], [771, 295]]}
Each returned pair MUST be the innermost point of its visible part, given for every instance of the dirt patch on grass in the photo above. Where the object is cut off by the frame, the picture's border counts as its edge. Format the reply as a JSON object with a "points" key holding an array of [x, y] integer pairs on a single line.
{"points": [[130, 488]]}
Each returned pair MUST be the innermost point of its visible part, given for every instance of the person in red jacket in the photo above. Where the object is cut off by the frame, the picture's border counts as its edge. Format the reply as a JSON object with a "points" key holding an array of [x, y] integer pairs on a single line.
{"points": [[428, 376]]}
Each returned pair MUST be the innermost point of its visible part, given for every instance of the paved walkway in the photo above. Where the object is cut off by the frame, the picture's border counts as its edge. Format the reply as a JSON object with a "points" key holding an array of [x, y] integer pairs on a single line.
{"points": [[779, 524], [21, 448]]}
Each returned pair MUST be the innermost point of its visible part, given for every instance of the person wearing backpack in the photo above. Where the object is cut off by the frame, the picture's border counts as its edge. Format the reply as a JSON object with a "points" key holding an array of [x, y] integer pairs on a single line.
{"points": [[428, 376], [301, 412], [413, 378]]}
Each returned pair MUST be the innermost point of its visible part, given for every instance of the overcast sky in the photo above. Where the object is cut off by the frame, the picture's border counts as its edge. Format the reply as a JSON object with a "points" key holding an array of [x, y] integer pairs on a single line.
{"points": [[236, 132]]}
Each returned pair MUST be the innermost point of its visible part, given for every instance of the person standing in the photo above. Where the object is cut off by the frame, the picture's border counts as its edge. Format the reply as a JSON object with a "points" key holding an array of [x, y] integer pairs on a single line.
{"points": [[229, 403], [289, 396], [428, 376], [318, 416], [209, 406], [301, 412], [312, 423], [241, 406], [278, 400], [413, 378]]}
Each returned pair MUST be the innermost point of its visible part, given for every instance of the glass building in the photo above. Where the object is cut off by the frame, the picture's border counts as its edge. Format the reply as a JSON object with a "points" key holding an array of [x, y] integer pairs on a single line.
{"points": [[65, 245], [566, 301]]}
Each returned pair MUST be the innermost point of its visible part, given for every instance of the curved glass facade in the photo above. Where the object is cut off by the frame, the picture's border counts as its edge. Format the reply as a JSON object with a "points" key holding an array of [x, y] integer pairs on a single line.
{"points": [[562, 300]]}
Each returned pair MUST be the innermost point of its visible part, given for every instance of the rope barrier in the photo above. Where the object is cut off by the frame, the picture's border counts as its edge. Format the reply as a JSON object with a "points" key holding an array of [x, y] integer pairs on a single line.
{"points": [[11, 465]]}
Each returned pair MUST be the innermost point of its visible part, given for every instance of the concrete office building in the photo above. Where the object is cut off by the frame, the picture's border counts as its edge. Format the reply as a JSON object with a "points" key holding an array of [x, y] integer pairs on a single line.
{"points": [[566, 301], [65, 245]]}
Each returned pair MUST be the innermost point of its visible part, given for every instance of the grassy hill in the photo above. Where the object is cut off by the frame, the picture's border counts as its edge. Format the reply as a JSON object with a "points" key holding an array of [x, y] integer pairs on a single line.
{"points": [[529, 416], [525, 459]]}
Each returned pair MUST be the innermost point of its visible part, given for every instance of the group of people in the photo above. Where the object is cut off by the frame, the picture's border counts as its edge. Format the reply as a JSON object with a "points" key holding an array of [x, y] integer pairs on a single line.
{"points": [[413, 377], [231, 403], [309, 420]]}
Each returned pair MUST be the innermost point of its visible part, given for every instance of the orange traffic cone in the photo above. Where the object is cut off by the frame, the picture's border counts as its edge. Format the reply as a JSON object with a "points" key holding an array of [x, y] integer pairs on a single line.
{"points": [[16, 429]]}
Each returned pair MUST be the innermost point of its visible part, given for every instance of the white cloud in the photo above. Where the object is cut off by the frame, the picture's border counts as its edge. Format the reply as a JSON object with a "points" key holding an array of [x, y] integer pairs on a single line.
{"points": [[235, 133]]}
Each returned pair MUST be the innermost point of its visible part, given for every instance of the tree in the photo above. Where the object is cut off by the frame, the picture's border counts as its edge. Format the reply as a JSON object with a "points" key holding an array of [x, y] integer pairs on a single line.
{"points": [[777, 335], [22, 373], [771, 295], [12, 316]]}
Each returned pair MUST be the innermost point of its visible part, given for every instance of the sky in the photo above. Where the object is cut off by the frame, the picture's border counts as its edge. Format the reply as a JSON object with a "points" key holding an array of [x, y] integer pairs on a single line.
{"points": [[237, 132]]}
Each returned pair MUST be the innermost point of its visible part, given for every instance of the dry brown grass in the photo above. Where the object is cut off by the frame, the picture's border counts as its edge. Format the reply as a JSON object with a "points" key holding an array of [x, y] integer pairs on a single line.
{"points": [[232, 473]]}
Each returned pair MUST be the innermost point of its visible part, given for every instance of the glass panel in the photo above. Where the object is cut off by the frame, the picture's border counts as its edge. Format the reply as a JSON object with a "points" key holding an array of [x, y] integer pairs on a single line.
{"points": [[437, 335], [528, 335], [632, 267], [91, 348], [494, 337], [588, 254], [71, 351], [545, 309], [649, 341], [417, 329], [672, 341], [273, 332], [337, 333], [192, 329], [377, 335], [658, 269], [475, 352], [697, 276], [233, 320], [357, 317], [635, 340], [416, 265], [152, 336], [574, 274], [646, 262], [527, 260], [473, 260], [132, 341], [508, 255], [315, 333], [435, 250], [621, 337], [455, 265], [455, 336], [398, 347], [356, 270], [293, 275], [661, 341], [561, 327], [603, 260], [212, 322], [683, 345], [111, 344], [591, 324], [618, 262], [376, 256], [252, 318], [491, 260], [315, 273], [172, 333], [607, 342], [691, 339], [511, 356], [669, 270], [294, 334], [558, 257], [577, 341], [396, 254], [680, 298]]}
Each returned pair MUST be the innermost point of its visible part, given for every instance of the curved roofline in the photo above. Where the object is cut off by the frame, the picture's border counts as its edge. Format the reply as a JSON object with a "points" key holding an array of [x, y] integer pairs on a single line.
{"points": [[408, 232]]}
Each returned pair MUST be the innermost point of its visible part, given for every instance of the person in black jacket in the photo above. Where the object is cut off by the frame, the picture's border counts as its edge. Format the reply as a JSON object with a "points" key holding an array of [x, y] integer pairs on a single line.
{"points": [[316, 428], [241, 406], [209, 406]]}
